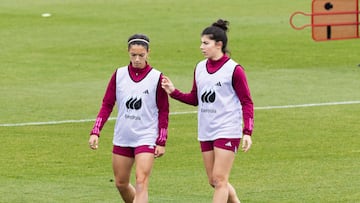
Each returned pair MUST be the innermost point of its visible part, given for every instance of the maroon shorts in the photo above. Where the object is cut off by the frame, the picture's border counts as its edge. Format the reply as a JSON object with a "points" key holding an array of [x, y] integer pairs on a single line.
{"points": [[132, 151], [231, 144]]}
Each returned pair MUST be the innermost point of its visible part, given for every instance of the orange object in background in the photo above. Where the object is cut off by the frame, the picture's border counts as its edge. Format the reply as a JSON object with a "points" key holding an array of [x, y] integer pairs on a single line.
{"points": [[332, 19]]}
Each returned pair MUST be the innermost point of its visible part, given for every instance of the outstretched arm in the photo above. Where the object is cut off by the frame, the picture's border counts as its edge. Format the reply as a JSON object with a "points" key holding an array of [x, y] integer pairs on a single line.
{"points": [[167, 85], [187, 98]]}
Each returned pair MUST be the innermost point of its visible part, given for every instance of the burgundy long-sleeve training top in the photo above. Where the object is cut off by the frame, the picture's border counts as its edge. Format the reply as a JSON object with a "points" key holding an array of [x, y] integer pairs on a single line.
{"points": [[110, 98], [240, 86]]}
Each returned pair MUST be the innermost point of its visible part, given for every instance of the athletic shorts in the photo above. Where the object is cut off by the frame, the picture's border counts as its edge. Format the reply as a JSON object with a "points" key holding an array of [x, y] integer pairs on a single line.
{"points": [[132, 151], [231, 144]]}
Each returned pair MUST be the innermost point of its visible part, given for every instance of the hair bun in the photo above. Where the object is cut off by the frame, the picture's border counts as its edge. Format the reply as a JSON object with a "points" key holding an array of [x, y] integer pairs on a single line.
{"points": [[223, 24]]}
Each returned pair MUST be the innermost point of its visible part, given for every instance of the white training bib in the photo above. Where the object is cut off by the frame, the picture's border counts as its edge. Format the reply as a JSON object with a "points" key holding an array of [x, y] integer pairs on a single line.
{"points": [[219, 110], [137, 119]]}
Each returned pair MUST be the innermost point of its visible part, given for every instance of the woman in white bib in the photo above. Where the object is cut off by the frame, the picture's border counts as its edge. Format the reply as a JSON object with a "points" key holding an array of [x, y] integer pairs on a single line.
{"points": [[225, 109], [141, 126]]}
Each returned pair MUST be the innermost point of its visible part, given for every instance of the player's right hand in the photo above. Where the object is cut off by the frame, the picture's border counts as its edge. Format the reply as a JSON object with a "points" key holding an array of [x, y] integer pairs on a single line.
{"points": [[93, 142]]}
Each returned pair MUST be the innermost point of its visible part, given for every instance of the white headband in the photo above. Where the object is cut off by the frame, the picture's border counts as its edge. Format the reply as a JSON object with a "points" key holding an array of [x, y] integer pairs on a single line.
{"points": [[138, 40]]}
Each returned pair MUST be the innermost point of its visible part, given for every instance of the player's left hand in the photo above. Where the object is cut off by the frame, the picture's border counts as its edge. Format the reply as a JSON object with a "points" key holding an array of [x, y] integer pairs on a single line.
{"points": [[159, 151], [246, 143]]}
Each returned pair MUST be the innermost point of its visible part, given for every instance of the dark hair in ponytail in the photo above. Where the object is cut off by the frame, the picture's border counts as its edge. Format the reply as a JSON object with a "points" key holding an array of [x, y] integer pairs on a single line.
{"points": [[217, 31]]}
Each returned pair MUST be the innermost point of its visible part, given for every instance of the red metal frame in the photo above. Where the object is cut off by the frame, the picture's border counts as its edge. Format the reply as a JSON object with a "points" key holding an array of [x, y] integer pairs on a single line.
{"points": [[314, 25]]}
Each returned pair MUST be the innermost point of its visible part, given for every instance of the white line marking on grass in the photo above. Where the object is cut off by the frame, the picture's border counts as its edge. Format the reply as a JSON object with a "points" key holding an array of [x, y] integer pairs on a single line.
{"points": [[180, 113], [50, 122], [307, 105]]}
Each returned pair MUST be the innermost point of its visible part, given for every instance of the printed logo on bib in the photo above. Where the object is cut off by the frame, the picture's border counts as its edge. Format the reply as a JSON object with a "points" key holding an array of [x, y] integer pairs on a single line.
{"points": [[133, 103], [208, 96]]}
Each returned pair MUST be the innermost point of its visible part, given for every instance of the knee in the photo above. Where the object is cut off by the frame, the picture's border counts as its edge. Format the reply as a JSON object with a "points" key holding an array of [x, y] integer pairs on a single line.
{"points": [[122, 186], [218, 182], [141, 180]]}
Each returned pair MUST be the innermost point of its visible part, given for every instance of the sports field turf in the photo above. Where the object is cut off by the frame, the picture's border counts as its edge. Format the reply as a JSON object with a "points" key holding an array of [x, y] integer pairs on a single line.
{"points": [[56, 69]]}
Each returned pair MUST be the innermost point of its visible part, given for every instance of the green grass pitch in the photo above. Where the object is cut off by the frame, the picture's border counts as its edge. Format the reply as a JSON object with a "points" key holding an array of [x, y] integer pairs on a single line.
{"points": [[56, 69]]}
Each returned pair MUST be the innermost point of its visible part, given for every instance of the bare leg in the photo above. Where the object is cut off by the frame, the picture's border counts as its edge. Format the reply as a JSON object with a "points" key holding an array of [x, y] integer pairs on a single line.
{"points": [[208, 158], [122, 169], [222, 167], [233, 198], [144, 164]]}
